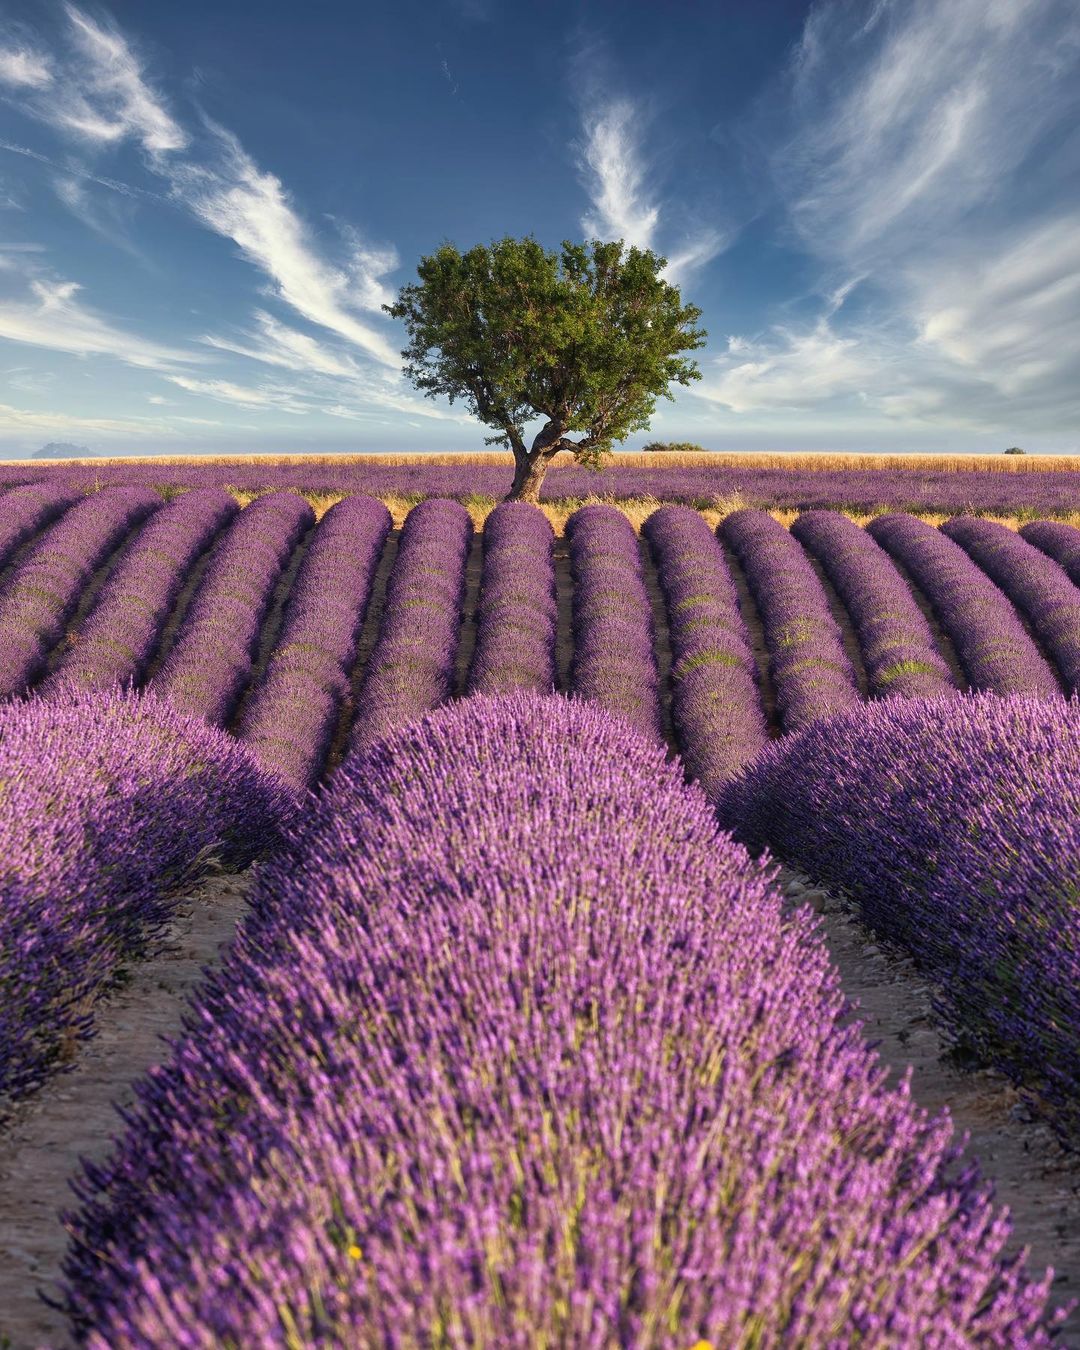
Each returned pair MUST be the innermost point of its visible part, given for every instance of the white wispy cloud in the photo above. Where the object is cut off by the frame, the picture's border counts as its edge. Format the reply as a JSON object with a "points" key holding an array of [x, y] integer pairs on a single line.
{"points": [[105, 97], [610, 161], [277, 344], [23, 419], [915, 137], [789, 369], [1011, 317], [335, 383], [615, 172], [245, 396], [51, 315], [24, 69], [236, 199], [903, 126], [98, 94]]}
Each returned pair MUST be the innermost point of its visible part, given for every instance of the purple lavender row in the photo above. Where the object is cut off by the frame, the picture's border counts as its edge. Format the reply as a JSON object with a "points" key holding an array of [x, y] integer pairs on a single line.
{"points": [[810, 669], [955, 827], [466, 1069], [1038, 587], [993, 647], [860, 490], [211, 660], [715, 700], [44, 590], [614, 658], [25, 510], [108, 799], [122, 630], [290, 717], [517, 614], [1060, 541], [897, 646], [411, 669]]}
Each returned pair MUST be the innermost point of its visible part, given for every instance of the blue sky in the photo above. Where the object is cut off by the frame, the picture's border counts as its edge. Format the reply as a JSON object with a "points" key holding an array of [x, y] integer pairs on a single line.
{"points": [[203, 207]]}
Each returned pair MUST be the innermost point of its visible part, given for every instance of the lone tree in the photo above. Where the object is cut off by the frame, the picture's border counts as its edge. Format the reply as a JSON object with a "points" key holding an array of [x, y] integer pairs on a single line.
{"points": [[586, 340]]}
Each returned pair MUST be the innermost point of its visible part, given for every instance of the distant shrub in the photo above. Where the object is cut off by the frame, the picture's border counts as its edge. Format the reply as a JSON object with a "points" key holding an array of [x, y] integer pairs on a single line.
{"points": [[1015, 450], [680, 447]]}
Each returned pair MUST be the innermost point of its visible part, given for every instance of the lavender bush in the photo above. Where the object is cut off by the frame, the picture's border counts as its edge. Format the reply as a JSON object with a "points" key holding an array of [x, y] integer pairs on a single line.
{"points": [[895, 640], [1060, 541], [992, 644], [955, 827], [809, 667], [614, 659], [109, 802], [211, 660], [290, 717], [25, 510], [716, 702], [1036, 584], [517, 613], [122, 629], [516, 1049], [411, 669], [45, 588]]}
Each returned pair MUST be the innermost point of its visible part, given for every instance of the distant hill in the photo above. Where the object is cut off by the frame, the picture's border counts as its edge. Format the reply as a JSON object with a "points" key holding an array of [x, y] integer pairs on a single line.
{"points": [[64, 450]]}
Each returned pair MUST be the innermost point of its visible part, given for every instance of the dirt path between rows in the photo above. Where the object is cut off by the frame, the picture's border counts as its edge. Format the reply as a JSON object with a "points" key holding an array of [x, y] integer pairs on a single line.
{"points": [[74, 1114], [1030, 1172], [470, 599]]}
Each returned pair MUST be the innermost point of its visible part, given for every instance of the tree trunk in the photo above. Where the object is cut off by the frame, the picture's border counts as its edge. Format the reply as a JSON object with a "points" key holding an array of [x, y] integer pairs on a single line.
{"points": [[529, 471]]}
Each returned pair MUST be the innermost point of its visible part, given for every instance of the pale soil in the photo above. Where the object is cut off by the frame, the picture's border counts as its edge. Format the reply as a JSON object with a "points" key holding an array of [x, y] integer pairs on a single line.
{"points": [[564, 632], [369, 632], [474, 567], [749, 611], [1030, 1172], [662, 643], [74, 1114]]}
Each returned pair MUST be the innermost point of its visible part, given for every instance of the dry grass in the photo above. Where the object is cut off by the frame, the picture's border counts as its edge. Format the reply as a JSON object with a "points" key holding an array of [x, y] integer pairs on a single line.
{"points": [[818, 460], [636, 509]]}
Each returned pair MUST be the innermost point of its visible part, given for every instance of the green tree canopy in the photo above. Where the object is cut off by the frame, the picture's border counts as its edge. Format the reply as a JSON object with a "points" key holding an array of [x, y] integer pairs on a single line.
{"points": [[587, 340]]}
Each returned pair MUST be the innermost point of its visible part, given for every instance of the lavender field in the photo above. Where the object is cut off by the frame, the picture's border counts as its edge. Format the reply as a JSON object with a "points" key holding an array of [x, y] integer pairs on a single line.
{"points": [[941, 485], [520, 1041]]}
